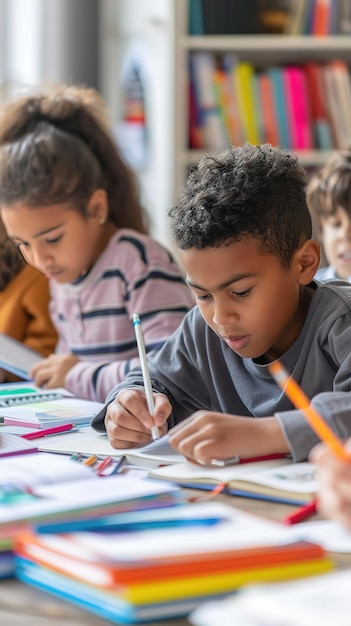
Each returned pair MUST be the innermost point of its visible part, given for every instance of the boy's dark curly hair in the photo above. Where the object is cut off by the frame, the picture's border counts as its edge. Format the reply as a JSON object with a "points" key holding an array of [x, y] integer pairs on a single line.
{"points": [[245, 191]]}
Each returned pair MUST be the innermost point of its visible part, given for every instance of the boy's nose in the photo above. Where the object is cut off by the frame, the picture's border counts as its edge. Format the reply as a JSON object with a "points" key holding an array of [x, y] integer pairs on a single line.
{"points": [[222, 314]]}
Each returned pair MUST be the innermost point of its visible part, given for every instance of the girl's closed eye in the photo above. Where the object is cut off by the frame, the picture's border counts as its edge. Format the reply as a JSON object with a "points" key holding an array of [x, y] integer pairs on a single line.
{"points": [[53, 240]]}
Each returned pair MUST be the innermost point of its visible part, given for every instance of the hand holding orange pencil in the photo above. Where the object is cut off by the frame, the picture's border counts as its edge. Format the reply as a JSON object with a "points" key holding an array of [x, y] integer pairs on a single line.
{"points": [[302, 402]]}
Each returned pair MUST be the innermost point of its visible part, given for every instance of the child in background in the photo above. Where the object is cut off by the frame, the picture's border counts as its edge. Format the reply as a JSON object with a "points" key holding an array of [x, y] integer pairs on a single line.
{"points": [[334, 477], [329, 200], [24, 303], [71, 205], [243, 229]]}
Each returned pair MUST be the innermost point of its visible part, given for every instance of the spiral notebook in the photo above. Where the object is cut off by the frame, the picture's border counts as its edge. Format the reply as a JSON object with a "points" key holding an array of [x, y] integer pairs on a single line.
{"points": [[17, 394]]}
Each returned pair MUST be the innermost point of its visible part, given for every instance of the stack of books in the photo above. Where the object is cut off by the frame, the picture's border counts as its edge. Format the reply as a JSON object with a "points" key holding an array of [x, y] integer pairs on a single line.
{"points": [[164, 572], [49, 488]]}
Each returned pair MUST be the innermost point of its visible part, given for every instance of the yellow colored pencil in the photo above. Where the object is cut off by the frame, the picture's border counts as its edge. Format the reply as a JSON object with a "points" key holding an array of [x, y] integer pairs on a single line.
{"points": [[302, 402]]}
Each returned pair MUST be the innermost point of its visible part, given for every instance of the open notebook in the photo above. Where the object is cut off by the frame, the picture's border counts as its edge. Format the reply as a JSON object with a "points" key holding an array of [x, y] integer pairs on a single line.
{"points": [[279, 480], [157, 453]]}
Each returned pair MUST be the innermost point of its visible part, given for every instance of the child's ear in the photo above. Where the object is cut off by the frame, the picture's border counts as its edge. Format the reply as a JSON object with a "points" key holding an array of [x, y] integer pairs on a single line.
{"points": [[307, 259], [98, 206]]}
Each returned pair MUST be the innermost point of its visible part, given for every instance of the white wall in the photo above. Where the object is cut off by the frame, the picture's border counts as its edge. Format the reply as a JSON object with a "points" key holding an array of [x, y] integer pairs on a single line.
{"points": [[149, 22], [48, 41]]}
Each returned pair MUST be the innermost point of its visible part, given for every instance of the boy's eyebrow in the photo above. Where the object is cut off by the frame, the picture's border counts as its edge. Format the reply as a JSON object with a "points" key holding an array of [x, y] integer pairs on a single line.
{"points": [[232, 280]]}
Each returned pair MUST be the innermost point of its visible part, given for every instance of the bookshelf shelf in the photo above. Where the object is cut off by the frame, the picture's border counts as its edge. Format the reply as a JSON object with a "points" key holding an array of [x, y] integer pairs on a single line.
{"points": [[266, 43], [262, 51]]}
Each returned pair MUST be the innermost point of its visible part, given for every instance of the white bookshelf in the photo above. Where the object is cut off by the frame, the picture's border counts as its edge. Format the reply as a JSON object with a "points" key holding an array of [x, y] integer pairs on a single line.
{"points": [[262, 51], [164, 27]]}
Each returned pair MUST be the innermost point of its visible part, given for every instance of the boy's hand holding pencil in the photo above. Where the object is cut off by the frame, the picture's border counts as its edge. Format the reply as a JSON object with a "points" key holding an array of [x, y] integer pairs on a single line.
{"points": [[131, 427]]}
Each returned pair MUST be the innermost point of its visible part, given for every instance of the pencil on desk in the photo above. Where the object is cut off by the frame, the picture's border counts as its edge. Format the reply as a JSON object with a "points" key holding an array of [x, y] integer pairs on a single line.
{"points": [[155, 433], [91, 460], [302, 402], [55, 430], [303, 513]]}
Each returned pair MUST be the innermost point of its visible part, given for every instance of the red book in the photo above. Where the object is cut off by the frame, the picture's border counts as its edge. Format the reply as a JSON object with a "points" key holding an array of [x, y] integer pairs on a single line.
{"points": [[323, 137]]}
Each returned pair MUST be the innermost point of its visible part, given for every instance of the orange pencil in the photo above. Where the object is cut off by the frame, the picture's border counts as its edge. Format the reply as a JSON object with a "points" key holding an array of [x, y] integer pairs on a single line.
{"points": [[302, 402], [90, 460]]}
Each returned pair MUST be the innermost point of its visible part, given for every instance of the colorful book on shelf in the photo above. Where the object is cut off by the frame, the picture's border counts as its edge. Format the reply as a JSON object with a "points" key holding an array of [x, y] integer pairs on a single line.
{"points": [[196, 141], [276, 76], [296, 21], [245, 94], [203, 65], [229, 61], [336, 97], [50, 413], [195, 17], [298, 107], [321, 17], [342, 84], [276, 480], [269, 115], [223, 100], [320, 122], [164, 570]]}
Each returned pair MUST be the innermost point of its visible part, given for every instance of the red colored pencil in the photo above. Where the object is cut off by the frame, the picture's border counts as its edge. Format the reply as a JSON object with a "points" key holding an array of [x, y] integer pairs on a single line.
{"points": [[301, 514]]}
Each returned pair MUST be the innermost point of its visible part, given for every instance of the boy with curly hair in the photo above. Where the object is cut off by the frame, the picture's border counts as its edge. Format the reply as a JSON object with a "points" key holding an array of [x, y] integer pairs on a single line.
{"points": [[244, 231]]}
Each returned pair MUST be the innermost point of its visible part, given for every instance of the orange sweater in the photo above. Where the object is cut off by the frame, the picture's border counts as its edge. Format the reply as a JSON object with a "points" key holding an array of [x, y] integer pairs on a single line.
{"points": [[24, 312]]}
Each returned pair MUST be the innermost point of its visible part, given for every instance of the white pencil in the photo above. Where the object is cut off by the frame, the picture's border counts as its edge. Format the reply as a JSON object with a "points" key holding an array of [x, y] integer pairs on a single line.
{"points": [[145, 370]]}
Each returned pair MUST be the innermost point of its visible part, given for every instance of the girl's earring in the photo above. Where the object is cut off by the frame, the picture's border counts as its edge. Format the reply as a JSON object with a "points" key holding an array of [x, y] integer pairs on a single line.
{"points": [[102, 219]]}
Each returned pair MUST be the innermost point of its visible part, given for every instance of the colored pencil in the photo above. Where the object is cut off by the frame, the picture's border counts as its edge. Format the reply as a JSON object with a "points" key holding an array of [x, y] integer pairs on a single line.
{"points": [[302, 402]]}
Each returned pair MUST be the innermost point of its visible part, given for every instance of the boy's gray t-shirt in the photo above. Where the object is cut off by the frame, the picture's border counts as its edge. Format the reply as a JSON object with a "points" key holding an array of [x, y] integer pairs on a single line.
{"points": [[197, 370]]}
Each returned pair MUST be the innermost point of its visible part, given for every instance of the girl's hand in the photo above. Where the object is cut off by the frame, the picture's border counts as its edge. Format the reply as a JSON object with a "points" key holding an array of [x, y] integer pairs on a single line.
{"points": [[334, 477], [128, 422], [51, 372], [206, 435]]}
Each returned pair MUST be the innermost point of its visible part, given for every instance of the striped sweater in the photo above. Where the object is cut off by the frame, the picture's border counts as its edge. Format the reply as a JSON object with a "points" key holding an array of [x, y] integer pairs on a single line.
{"points": [[93, 317]]}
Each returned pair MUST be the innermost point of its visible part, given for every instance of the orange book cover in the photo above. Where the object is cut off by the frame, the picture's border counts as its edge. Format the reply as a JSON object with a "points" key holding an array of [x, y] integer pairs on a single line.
{"points": [[321, 17], [63, 555]]}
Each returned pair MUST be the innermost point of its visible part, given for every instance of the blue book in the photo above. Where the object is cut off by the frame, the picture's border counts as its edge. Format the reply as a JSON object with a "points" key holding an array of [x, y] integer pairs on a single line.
{"points": [[276, 75]]}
